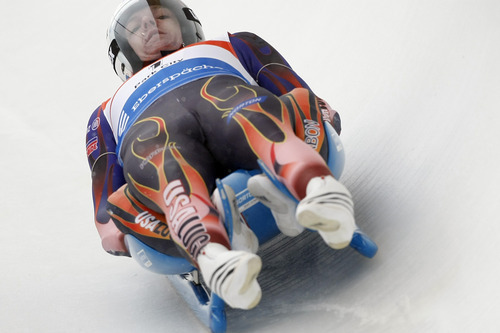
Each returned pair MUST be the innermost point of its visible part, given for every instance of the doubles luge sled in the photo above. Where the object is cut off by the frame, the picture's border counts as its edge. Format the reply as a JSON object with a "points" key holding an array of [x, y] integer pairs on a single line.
{"points": [[186, 279]]}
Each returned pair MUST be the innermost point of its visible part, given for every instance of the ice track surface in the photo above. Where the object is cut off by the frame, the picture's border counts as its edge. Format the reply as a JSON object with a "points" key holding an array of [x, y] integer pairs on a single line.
{"points": [[418, 87]]}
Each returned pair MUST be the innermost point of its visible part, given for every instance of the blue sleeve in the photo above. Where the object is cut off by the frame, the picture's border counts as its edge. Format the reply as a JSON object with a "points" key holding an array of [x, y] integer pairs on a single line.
{"points": [[266, 65], [107, 174]]}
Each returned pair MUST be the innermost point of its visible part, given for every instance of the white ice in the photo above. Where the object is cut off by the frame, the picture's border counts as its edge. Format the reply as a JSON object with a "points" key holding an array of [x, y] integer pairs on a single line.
{"points": [[418, 86]]}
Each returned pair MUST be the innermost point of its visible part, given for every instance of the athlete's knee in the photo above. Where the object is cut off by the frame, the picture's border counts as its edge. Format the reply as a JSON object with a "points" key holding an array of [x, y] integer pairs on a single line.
{"points": [[329, 114]]}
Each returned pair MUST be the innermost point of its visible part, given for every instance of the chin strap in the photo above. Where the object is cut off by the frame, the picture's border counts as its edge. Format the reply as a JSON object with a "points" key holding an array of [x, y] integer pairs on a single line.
{"points": [[163, 54], [166, 53]]}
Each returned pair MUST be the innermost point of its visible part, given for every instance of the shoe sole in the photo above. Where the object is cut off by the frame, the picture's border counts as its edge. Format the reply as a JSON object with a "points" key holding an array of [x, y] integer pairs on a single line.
{"points": [[336, 241], [329, 229], [254, 267], [312, 220], [244, 279], [247, 272]]}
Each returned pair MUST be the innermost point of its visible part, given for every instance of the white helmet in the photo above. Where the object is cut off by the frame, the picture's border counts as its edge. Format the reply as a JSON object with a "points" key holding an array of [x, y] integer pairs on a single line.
{"points": [[126, 62]]}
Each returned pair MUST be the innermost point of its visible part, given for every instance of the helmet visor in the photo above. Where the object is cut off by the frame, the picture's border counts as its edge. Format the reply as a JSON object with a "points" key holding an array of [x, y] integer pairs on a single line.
{"points": [[151, 30], [146, 30]]}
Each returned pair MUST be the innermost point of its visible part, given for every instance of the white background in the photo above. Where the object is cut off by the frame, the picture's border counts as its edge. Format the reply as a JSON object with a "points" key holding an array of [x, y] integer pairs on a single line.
{"points": [[418, 86]]}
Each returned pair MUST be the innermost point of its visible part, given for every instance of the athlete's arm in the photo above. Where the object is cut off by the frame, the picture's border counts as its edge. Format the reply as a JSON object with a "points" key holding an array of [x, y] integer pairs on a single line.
{"points": [[271, 70], [265, 64], [107, 177]]}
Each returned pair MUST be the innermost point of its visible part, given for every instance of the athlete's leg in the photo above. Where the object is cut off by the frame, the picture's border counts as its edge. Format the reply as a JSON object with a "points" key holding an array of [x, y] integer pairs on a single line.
{"points": [[168, 169], [307, 121]]}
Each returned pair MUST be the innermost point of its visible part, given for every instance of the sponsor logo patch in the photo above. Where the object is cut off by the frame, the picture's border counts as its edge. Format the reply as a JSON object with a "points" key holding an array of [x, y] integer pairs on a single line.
{"points": [[92, 146], [239, 107]]}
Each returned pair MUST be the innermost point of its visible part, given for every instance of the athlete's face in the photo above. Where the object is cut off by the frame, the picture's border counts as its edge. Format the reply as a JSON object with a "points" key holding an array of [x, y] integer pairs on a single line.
{"points": [[151, 30]]}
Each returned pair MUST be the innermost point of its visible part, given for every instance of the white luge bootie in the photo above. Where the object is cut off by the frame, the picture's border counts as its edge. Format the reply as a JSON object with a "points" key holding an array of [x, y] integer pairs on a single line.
{"points": [[281, 206], [329, 209], [232, 275], [243, 237]]}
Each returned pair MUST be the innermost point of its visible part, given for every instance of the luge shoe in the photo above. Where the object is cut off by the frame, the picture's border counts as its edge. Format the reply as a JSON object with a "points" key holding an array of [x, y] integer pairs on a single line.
{"points": [[329, 209], [232, 275]]}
